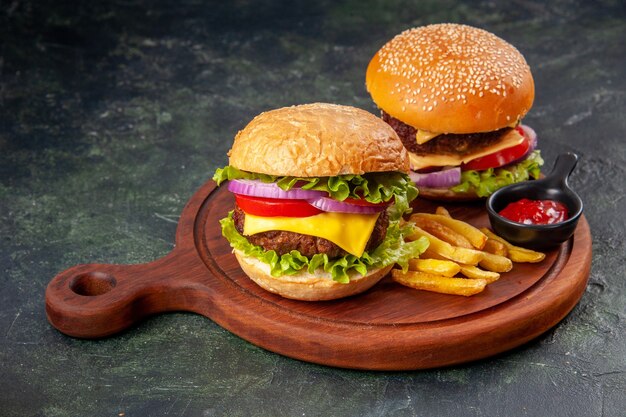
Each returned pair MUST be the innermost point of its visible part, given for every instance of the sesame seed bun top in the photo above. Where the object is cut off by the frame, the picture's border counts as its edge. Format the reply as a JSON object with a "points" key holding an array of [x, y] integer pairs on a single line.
{"points": [[451, 78]]}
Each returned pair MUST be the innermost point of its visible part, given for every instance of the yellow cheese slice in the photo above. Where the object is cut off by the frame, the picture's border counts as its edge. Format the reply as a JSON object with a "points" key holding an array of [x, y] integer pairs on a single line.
{"points": [[512, 138], [349, 231], [423, 136]]}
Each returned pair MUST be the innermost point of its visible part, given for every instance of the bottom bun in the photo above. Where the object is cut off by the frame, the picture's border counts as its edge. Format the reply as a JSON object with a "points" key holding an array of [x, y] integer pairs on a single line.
{"points": [[445, 194], [306, 286]]}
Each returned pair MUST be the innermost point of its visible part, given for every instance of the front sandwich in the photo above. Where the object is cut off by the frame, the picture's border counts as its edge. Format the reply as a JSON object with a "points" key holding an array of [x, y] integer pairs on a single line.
{"points": [[320, 190]]}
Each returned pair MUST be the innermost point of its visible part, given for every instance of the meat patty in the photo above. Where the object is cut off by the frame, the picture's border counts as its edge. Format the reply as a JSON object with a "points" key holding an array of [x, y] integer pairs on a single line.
{"points": [[446, 143], [284, 242]]}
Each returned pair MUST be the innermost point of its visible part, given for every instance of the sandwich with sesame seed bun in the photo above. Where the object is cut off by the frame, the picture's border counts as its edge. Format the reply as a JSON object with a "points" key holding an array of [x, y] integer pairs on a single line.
{"points": [[456, 96]]}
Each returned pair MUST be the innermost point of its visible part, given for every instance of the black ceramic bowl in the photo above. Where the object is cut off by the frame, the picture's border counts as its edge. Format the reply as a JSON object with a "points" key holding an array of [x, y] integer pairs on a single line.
{"points": [[552, 187]]}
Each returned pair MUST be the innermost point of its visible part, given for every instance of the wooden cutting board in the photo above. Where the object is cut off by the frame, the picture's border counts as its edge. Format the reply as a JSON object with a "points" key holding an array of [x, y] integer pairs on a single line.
{"points": [[389, 327]]}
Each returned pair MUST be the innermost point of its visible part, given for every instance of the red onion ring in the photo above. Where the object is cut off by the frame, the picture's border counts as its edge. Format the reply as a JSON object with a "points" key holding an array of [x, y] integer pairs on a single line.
{"points": [[532, 136], [258, 188], [328, 204], [530, 133], [437, 179]]}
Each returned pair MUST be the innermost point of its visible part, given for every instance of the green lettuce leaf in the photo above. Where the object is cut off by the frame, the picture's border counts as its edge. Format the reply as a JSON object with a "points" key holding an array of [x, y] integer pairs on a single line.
{"points": [[393, 250], [486, 182], [374, 187]]}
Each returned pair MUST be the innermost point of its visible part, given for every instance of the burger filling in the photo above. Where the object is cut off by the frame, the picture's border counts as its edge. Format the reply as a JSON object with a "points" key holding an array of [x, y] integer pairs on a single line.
{"points": [[474, 162], [283, 242], [343, 225]]}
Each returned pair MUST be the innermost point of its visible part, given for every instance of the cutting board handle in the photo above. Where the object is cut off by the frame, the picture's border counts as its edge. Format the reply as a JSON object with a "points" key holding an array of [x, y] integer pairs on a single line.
{"points": [[97, 300]]}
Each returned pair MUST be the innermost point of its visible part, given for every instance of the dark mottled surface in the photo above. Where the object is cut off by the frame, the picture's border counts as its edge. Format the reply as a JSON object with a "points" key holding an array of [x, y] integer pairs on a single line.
{"points": [[113, 113]]}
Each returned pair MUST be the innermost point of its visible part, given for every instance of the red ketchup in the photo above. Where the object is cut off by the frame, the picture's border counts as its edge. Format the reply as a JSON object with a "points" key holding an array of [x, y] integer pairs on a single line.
{"points": [[527, 211]]}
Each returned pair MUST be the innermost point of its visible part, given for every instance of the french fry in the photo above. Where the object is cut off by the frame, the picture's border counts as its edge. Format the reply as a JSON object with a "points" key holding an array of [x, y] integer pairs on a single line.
{"points": [[471, 271], [496, 247], [524, 256], [446, 250], [438, 283], [435, 267], [516, 253], [442, 211], [476, 238], [495, 263], [441, 231], [466, 256], [431, 254]]}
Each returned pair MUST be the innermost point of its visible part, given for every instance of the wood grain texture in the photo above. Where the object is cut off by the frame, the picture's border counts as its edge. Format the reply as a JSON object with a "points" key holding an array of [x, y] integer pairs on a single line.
{"points": [[389, 327]]}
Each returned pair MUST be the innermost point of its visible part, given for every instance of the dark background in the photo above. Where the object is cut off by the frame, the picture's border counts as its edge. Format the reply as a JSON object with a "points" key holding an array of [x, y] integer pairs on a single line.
{"points": [[113, 113]]}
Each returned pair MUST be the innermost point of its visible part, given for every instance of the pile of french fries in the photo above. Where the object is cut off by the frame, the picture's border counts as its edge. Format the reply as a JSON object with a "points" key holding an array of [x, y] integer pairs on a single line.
{"points": [[456, 247]]}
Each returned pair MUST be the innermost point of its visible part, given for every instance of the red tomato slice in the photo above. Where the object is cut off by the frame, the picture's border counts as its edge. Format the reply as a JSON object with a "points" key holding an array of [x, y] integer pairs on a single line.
{"points": [[273, 207], [503, 157]]}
